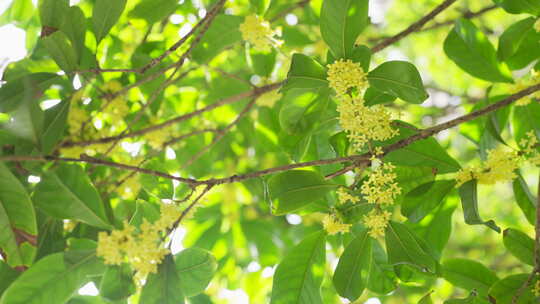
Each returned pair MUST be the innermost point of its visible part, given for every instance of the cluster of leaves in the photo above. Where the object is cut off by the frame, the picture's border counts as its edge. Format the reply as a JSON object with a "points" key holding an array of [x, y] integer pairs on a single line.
{"points": [[214, 98]]}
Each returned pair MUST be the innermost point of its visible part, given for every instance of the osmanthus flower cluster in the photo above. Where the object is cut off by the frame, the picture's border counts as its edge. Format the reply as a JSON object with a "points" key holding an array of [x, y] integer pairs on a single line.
{"points": [[142, 248], [501, 163], [361, 123], [533, 79], [379, 189], [259, 34]]}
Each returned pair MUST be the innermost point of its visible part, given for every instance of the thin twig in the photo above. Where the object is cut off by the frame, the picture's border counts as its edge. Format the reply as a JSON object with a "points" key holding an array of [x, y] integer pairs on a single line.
{"points": [[286, 11], [413, 27], [466, 15]]}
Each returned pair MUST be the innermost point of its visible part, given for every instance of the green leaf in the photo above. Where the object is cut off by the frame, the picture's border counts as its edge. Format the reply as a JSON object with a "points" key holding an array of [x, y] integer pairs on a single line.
{"points": [[146, 10], [400, 79], [525, 119], [222, 33], [341, 23], [298, 277], [106, 13], [19, 12], [382, 278], [352, 272], [525, 199], [52, 12], [61, 50], [471, 299], [262, 63], [469, 202], [260, 6], [27, 120], [305, 73], [53, 279], [422, 153], [471, 50], [74, 27], [55, 124], [7, 276], [503, 291], [423, 199], [291, 190], [117, 283], [67, 193], [18, 228], [468, 274], [373, 97], [426, 299], [302, 109], [405, 248], [15, 91], [527, 53], [195, 268], [520, 245], [164, 286], [512, 37], [520, 6]]}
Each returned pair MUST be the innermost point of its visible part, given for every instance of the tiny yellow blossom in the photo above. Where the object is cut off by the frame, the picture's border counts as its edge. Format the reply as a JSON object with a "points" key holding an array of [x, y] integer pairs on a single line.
{"points": [[380, 188], [344, 75], [529, 146], [129, 188], [169, 214], [72, 152], [376, 221], [536, 287], [333, 225], [344, 196], [499, 166], [258, 33], [76, 118], [363, 123]]}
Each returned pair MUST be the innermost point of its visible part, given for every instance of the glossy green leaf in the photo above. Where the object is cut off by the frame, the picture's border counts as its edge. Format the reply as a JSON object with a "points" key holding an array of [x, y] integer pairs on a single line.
{"points": [[55, 124], [520, 6], [19, 12], [469, 201], [422, 153], [7, 276], [373, 97], [352, 272], [528, 51], [405, 248], [260, 6], [423, 199], [341, 23], [305, 73], [74, 27], [525, 199], [512, 37], [400, 79], [27, 120], [195, 268], [52, 12], [223, 33], [18, 228], [471, 50], [146, 10], [14, 92], [520, 245], [302, 109], [106, 13], [53, 279], [298, 277], [67, 193], [262, 63], [163, 287], [117, 283], [468, 274], [504, 290], [292, 190], [382, 278], [62, 51]]}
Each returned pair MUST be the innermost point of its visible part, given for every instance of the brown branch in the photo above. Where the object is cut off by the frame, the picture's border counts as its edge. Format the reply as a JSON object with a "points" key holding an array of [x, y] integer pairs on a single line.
{"points": [[466, 15], [253, 93], [413, 27], [286, 11], [423, 134]]}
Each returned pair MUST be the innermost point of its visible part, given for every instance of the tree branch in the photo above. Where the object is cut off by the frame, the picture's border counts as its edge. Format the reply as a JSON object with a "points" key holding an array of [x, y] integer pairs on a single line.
{"points": [[413, 27]]}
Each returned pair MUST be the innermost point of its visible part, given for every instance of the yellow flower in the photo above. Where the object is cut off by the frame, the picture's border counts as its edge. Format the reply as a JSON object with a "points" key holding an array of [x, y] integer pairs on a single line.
{"points": [[333, 225], [169, 214], [344, 196], [536, 288], [258, 33], [76, 118], [376, 221], [380, 187], [499, 166], [362, 123], [529, 146], [72, 152], [129, 188], [344, 75]]}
